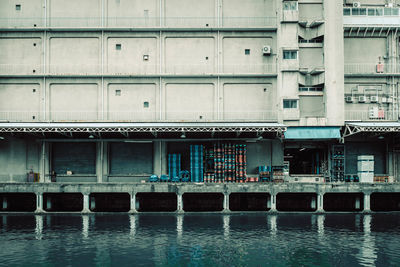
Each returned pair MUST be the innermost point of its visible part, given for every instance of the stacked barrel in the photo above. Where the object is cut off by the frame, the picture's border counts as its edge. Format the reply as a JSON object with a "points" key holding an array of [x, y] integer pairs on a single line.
{"points": [[196, 163], [219, 162], [240, 152], [174, 165]]}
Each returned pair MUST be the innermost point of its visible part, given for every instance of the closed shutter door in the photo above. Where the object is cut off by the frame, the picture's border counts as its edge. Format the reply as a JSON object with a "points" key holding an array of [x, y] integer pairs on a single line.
{"points": [[131, 158], [80, 158]]}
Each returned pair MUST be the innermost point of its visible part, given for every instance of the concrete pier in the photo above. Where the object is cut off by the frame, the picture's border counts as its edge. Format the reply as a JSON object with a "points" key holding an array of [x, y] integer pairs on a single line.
{"points": [[347, 197]]}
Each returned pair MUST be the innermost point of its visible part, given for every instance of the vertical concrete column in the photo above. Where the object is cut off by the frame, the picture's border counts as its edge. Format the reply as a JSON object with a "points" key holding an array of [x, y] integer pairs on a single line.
{"points": [[99, 161], [39, 202], [44, 165], [334, 62], [133, 202], [367, 202], [226, 202], [357, 203], [105, 162], [86, 203], [159, 157], [273, 203], [320, 203], [180, 203]]}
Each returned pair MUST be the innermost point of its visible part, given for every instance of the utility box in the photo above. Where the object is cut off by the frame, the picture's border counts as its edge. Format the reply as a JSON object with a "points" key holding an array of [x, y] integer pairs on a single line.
{"points": [[365, 167]]}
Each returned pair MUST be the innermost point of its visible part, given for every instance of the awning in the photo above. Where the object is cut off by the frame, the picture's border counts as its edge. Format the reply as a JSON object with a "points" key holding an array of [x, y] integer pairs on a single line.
{"points": [[374, 127], [312, 133], [256, 127]]}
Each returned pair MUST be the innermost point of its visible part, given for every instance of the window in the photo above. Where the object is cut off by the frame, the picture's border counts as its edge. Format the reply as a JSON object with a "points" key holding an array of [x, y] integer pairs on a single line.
{"points": [[34, 90], [290, 5], [18, 7], [247, 51], [118, 92], [346, 12], [146, 104], [145, 57], [289, 103], [290, 54], [118, 47], [310, 89]]}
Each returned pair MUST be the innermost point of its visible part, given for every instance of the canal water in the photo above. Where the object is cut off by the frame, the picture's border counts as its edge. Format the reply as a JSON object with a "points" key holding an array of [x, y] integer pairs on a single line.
{"points": [[200, 240]]}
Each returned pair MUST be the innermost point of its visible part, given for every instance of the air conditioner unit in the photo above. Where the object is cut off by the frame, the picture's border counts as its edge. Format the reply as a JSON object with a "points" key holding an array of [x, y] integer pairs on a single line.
{"points": [[373, 113], [362, 99], [266, 50], [374, 99], [356, 4], [349, 99]]}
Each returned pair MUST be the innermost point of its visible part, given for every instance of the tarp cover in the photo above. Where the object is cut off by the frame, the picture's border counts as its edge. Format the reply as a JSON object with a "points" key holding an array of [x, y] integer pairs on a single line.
{"points": [[312, 133]]}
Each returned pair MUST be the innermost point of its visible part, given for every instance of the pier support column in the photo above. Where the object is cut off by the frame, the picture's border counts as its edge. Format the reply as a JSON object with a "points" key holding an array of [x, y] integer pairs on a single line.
{"points": [[273, 203], [226, 203], [133, 203], [4, 203], [86, 203], [367, 202], [320, 203], [39, 202], [180, 203]]}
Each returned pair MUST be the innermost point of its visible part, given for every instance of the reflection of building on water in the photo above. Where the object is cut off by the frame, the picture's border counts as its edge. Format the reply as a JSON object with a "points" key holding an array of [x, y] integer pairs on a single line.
{"points": [[368, 251]]}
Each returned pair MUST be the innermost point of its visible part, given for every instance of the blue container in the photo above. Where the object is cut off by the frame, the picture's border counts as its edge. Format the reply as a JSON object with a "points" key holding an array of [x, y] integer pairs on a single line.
{"points": [[196, 163], [153, 178], [164, 178], [174, 165]]}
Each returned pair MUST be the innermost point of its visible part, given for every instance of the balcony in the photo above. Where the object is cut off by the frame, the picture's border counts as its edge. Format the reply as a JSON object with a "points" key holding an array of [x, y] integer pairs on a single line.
{"points": [[379, 114], [138, 22], [138, 116], [371, 69], [376, 16], [132, 70]]}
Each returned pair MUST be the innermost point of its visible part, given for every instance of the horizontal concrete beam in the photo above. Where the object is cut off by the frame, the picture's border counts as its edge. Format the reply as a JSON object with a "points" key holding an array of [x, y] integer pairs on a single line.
{"points": [[181, 188]]}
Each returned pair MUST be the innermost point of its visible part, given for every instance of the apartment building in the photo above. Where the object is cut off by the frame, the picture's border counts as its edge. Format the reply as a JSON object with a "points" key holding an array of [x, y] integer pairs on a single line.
{"points": [[104, 90]]}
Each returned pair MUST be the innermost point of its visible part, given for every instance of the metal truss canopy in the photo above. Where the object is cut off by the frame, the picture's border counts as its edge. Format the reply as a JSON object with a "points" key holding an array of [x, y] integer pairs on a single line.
{"points": [[372, 127], [258, 127]]}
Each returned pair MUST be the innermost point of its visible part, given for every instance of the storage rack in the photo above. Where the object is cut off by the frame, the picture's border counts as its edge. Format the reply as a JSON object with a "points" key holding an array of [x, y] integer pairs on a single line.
{"points": [[337, 163]]}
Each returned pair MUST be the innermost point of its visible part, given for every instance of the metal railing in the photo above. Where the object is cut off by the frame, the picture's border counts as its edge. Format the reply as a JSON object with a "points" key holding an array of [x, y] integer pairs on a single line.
{"points": [[128, 69], [137, 116], [366, 115], [132, 22]]}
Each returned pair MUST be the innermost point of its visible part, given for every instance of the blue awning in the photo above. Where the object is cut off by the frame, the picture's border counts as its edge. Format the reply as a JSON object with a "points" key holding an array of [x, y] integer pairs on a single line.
{"points": [[307, 133]]}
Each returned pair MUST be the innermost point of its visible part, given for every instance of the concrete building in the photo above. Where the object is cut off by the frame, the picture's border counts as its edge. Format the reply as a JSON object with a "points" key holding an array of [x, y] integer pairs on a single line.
{"points": [[103, 90]]}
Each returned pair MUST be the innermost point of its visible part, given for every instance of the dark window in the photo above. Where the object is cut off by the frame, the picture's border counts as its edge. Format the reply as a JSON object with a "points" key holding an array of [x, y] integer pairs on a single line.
{"points": [[247, 51], [289, 103], [18, 7], [118, 46]]}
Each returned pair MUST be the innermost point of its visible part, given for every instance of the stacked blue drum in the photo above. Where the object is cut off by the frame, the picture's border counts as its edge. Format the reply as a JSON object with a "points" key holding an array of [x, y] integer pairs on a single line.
{"points": [[196, 163]]}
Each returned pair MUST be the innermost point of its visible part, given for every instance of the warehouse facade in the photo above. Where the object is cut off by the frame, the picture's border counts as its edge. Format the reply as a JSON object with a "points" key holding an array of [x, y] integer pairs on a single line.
{"points": [[105, 90]]}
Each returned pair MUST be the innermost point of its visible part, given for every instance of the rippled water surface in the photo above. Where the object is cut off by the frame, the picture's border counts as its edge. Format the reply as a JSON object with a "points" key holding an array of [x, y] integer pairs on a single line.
{"points": [[200, 240]]}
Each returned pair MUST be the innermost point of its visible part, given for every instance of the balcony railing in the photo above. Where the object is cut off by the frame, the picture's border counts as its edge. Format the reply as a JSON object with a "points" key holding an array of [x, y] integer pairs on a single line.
{"points": [[137, 116], [371, 68], [126, 69], [371, 16], [369, 115], [133, 22]]}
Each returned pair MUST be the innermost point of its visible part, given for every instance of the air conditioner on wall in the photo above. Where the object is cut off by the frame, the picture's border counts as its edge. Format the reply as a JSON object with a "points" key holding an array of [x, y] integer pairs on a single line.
{"points": [[266, 50], [374, 99], [362, 99], [356, 4], [349, 99]]}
